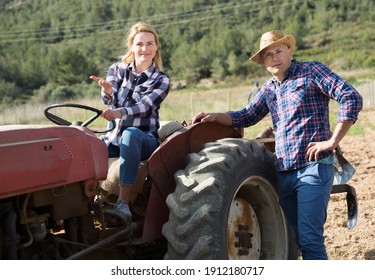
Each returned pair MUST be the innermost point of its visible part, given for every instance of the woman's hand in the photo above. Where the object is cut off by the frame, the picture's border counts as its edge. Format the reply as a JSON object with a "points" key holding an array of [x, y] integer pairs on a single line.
{"points": [[111, 115], [106, 86]]}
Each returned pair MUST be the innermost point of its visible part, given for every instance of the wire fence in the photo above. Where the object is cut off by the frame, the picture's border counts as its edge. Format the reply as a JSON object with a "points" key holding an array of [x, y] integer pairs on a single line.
{"points": [[367, 91]]}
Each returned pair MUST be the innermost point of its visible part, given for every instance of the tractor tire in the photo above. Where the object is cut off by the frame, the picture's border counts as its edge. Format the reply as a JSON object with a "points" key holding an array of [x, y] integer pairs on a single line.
{"points": [[225, 206]]}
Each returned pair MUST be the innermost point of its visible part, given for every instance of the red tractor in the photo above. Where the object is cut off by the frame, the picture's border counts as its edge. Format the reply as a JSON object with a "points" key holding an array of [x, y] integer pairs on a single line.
{"points": [[205, 193]]}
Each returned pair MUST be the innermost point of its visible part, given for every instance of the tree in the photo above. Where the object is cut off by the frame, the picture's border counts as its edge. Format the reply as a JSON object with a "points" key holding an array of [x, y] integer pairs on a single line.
{"points": [[72, 68], [218, 69], [64, 42]]}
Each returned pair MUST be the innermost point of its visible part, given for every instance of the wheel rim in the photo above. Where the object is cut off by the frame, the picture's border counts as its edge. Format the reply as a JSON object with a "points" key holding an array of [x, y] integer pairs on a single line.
{"points": [[256, 218], [244, 240]]}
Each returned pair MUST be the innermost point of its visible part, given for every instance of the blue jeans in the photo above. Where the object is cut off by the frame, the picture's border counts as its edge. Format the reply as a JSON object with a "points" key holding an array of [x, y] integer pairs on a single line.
{"points": [[304, 196], [135, 146]]}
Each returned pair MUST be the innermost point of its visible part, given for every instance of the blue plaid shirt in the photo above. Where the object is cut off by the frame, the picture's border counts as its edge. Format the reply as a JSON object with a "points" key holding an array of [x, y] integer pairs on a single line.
{"points": [[299, 110], [137, 96]]}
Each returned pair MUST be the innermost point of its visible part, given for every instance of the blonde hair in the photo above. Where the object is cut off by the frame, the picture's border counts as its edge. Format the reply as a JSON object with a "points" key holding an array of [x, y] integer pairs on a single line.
{"points": [[134, 30]]}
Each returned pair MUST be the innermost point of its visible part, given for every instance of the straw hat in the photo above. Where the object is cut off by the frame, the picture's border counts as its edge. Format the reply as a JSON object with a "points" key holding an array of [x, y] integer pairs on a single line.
{"points": [[271, 38]]}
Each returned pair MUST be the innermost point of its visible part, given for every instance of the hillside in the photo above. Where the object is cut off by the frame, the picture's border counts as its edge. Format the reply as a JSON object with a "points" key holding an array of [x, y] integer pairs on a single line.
{"points": [[48, 49]]}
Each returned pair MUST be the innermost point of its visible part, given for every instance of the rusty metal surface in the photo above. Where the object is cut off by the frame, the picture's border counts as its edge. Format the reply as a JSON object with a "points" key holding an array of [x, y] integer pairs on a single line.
{"points": [[172, 153], [38, 157], [243, 232]]}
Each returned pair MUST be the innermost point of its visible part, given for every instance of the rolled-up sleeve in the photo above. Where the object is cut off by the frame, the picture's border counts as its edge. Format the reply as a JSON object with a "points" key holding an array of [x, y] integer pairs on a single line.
{"points": [[114, 75], [349, 99], [351, 103]]}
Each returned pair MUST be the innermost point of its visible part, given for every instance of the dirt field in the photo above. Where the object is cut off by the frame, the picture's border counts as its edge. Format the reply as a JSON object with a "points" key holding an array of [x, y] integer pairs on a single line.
{"points": [[357, 243]]}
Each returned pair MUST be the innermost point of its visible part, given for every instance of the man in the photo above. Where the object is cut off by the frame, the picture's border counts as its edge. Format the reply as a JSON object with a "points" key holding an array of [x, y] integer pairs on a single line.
{"points": [[297, 97]]}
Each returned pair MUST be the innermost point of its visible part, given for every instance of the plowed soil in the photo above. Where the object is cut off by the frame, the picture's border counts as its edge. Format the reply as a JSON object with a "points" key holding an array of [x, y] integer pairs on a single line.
{"points": [[357, 243]]}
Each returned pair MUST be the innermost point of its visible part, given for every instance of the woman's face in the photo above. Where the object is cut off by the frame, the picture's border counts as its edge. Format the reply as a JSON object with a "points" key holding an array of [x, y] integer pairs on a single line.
{"points": [[144, 48]]}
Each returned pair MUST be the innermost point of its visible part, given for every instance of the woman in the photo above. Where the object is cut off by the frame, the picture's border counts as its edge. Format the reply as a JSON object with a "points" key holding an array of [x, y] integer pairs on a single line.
{"points": [[133, 91]]}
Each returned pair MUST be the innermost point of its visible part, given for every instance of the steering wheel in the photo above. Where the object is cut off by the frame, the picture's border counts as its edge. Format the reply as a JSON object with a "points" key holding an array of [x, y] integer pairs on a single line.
{"points": [[60, 121]]}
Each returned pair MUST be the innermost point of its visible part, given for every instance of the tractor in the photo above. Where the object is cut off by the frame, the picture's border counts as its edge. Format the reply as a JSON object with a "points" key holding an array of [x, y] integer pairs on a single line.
{"points": [[205, 193]]}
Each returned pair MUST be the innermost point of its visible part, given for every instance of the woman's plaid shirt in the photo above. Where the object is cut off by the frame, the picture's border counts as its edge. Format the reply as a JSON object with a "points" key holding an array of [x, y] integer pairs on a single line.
{"points": [[137, 97]]}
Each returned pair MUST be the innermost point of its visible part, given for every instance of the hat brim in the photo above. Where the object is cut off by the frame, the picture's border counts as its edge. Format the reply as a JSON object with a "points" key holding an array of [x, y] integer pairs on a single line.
{"points": [[286, 40]]}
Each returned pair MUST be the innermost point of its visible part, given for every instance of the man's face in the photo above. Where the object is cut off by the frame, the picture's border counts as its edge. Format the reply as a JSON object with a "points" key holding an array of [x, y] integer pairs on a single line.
{"points": [[277, 60]]}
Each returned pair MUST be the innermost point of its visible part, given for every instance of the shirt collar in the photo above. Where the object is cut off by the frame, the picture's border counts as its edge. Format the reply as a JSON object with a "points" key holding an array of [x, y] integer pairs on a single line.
{"points": [[148, 71], [292, 69], [289, 72]]}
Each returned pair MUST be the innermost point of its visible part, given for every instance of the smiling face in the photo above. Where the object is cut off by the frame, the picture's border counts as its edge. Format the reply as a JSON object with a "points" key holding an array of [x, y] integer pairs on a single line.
{"points": [[144, 48], [277, 60]]}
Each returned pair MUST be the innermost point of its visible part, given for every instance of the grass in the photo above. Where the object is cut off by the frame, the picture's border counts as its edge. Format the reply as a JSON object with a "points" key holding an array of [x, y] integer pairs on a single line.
{"points": [[180, 105]]}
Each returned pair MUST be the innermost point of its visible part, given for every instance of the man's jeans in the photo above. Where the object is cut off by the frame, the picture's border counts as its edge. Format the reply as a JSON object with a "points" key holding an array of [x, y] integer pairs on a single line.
{"points": [[304, 196]]}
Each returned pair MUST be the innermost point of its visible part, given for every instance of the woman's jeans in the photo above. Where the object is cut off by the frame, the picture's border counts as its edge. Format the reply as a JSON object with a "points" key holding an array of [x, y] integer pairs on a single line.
{"points": [[304, 196], [135, 146]]}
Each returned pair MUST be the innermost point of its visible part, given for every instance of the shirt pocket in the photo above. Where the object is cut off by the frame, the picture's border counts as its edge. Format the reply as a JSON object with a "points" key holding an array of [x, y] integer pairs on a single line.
{"points": [[140, 92], [296, 93]]}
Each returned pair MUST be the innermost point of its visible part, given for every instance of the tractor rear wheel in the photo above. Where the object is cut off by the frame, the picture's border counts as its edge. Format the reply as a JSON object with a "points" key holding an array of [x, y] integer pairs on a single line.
{"points": [[225, 206]]}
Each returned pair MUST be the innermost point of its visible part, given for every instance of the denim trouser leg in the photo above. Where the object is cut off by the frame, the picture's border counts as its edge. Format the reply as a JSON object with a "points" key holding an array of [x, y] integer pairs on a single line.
{"points": [[135, 146], [304, 197]]}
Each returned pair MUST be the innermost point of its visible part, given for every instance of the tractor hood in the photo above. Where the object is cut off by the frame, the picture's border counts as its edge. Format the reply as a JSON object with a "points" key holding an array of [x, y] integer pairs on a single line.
{"points": [[38, 157]]}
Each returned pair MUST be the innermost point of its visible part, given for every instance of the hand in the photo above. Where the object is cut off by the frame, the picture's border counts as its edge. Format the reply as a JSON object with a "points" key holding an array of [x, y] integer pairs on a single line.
{"points": [[203, 117], [111, 115], [106, 86], [315, 148]]}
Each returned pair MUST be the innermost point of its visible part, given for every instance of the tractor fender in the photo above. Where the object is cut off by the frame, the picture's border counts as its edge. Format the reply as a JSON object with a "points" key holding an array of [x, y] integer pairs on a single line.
{"points": [[169, 157]]}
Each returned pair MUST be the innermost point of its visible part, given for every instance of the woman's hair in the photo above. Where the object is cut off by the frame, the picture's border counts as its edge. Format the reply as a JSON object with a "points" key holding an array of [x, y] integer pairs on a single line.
{"points": [[134, 30]]}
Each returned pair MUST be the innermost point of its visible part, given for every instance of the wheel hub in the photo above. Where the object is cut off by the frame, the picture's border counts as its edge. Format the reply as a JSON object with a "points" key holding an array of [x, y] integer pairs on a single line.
{"points": [[243, 233]]}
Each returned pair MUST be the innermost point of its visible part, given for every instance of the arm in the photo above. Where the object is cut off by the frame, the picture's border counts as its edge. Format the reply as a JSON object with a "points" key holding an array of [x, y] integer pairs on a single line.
{"points": [[158, 91], [111, 83], [315, 148], [248, 116], [336, 88], [350, 102]]}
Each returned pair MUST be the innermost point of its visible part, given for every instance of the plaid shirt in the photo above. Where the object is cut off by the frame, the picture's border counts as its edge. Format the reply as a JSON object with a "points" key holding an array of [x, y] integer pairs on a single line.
{"points": [[299, 110], [137, 96]]}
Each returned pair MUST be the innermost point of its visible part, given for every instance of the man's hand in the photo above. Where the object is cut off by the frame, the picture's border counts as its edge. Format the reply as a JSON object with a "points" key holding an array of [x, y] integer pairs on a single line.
{"points": [[221, 118], [203, 117], [315, 148]]}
